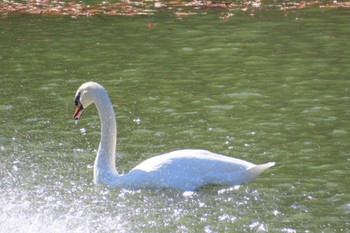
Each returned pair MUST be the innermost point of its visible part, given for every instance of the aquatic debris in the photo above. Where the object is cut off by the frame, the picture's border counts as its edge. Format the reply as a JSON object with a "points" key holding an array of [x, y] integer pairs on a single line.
{"points": [[132, 8]]}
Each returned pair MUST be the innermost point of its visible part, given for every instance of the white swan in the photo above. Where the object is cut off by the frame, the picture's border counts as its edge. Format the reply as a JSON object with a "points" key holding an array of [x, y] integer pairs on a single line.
{"points": [[182, 169]]}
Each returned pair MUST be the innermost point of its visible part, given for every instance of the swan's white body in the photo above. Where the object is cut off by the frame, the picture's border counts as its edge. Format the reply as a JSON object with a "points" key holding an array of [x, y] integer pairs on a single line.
{"points": [[182, 169]]}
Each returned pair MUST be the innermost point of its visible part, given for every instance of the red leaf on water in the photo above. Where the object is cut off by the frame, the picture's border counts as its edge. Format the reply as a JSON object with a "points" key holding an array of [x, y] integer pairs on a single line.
{"points": [[150, 25]]}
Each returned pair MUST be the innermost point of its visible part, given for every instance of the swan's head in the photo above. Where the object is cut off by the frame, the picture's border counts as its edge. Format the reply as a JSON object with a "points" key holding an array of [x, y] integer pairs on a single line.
{"points": [[85, 95]]}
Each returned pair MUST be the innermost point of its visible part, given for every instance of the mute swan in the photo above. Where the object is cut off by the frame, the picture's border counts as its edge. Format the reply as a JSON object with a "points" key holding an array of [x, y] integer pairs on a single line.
{"points": [[186, 170]]}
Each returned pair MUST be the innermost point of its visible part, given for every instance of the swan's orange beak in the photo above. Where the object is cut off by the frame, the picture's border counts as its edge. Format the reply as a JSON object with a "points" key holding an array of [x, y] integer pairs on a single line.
{"points": [[78, 111]]}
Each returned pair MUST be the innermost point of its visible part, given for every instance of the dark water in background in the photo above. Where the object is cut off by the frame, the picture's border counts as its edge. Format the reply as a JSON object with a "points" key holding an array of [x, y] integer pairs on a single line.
{"points": [[263, 88]]}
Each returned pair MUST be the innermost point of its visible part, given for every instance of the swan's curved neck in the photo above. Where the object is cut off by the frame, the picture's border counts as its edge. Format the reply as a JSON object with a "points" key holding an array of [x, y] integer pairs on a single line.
{"points": [[104, 168]]}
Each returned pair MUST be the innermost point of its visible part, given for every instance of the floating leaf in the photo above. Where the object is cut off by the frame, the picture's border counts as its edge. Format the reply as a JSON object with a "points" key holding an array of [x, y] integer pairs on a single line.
{"points": [[150, 25]]}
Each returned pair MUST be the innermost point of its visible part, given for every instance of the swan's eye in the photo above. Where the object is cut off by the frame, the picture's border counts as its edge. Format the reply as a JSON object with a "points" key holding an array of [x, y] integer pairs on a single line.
{"points": [[77, 99]]}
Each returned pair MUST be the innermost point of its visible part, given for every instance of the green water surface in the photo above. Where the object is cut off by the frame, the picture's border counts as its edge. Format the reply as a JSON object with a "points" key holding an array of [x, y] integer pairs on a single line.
{"points": [[269, 87]]}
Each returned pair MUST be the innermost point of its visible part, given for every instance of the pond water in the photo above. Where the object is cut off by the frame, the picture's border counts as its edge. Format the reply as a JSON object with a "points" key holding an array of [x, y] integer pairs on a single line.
{"points": [[269, 87]]}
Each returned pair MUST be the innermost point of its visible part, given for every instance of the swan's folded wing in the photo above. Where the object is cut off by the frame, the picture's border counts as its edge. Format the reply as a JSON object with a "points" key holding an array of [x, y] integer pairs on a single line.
{"points": [[190, 169]]}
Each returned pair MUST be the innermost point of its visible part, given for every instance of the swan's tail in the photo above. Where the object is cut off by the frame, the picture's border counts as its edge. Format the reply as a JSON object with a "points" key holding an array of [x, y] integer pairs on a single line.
{"points": [[255, 171]]}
